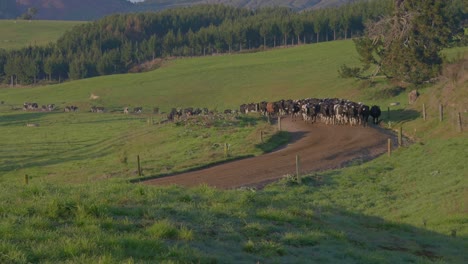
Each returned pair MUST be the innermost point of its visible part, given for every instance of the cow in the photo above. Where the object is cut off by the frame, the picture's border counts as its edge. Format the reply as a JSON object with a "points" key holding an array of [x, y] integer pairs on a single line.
{"points": [[30, 106], [71, 108], [125, 111], [363, 112], [271, 109], [375, 114], [97, 109], [138, 110], [295, 111], [174, 114]]}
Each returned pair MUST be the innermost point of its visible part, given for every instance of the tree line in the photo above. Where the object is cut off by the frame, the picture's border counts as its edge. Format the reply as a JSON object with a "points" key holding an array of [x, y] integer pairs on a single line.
{"points": [[119, 42]]}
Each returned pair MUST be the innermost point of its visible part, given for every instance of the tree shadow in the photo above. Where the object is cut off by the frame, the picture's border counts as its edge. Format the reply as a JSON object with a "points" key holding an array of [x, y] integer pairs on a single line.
{"points": [[399, 115], [22, 118], [280, 141], [317, 233]]}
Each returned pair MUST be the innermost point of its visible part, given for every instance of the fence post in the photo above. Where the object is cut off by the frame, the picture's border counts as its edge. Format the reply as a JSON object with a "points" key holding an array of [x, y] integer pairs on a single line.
{"points": [[298, 169], [139, 167], [460, 125], [389, 147], [441, 113], [279, 123], [225, 150], [388, 113], [400, 136], [26, 179], [424, 112]]}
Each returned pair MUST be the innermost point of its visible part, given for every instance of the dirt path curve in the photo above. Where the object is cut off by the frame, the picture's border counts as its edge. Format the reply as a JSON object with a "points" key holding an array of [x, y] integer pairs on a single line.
{"points": [[320, 147]]}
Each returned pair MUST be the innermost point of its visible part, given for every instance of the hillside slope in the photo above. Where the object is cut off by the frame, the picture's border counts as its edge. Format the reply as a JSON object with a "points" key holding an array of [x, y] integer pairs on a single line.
{"points": [[406, 208], [91, 10]]}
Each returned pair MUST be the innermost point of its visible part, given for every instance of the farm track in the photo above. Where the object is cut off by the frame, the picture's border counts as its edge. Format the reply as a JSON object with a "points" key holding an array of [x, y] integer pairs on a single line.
{"points": [[320, 147]]}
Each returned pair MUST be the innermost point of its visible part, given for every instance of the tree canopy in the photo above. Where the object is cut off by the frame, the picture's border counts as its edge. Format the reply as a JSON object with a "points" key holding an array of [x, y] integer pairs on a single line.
{"points": [[406, 45], [117, 43]]}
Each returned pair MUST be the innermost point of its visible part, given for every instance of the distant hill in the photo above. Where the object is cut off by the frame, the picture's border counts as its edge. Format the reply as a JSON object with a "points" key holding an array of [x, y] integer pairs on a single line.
{"points": [[64, 9], [253, 4], [92, 9]]}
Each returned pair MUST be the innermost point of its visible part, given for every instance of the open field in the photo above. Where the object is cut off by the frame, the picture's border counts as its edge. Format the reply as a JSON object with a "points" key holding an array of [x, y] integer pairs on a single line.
{"points": [[21, 33], [216, 82], [80, 207]]}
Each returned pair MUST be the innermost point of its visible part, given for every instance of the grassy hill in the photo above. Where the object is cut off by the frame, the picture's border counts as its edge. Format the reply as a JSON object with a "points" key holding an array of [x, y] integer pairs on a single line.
{"points": [[21, 33], [215, 82], [80, 207]]}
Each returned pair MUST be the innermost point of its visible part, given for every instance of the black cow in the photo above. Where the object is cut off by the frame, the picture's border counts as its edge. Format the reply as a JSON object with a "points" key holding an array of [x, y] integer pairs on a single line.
{"points": [[363, 112], [375, 113]]}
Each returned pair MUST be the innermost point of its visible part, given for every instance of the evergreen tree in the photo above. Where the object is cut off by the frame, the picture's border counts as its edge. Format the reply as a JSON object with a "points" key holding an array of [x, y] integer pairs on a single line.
{"points": [[406, 46]]}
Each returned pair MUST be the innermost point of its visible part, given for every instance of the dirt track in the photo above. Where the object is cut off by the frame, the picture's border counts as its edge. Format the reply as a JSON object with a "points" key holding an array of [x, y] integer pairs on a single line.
{"points": [[320, 147]]}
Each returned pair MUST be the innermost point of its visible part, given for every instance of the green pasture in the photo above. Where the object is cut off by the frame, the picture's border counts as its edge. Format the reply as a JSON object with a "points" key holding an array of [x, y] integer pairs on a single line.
{"points": [[80, 207], [81, 147], [216, 82], [406, 208], [16, 34]]}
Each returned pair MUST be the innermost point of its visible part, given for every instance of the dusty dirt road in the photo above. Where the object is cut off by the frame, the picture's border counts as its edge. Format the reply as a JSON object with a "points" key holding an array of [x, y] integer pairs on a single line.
{"points": [[319, 146]]}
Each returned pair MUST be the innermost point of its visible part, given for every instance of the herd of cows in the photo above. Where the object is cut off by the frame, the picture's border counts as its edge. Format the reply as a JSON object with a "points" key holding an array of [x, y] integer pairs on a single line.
{"points": [[329, 110]]}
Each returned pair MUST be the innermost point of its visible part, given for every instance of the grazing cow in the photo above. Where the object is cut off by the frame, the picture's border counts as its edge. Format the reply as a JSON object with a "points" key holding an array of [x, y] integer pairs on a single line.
{"points": [[174, 114], [197, 111], [138, 110], [97, 109], [30, 106], [375, 113], [125, 111], [188, 111], [71, 108]]}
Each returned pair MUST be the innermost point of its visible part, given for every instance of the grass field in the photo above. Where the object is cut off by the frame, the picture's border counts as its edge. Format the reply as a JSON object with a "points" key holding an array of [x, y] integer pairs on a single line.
{"points": [[215, 82], [21, 33], [80, 207]]}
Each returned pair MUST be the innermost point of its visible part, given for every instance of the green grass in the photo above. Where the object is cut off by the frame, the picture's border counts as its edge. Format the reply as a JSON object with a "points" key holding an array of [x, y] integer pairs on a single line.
{"points": [[79, 206], [215, 82], [21, 33], [80, 147]]}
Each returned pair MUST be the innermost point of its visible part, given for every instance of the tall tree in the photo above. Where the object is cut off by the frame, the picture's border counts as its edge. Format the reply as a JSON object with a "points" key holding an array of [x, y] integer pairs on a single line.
{"points": [[406, 45]]}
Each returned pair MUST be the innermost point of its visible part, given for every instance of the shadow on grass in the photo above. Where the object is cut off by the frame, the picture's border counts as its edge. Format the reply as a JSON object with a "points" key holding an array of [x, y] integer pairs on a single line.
{"points": [[332, 233], [22, 118], [279, 141], [399, 115]]}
